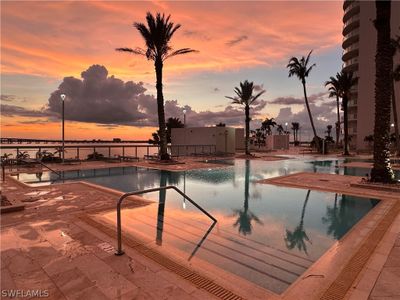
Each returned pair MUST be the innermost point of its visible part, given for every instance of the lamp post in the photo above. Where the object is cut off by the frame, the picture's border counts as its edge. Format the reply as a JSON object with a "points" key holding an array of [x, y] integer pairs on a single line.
{"points": [[286, 124], [62, 101], [184, 118]]}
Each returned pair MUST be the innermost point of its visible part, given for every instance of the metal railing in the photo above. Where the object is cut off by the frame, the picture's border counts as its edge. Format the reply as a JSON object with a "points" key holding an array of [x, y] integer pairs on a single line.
{"points": [[176, 150], [5, 163], [119, 226], [46, 166]]}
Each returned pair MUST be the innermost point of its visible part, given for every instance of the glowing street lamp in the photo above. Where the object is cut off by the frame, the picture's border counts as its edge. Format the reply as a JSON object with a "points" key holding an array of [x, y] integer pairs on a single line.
{"points": [[184, 118], [63, 96], [286, 124]]}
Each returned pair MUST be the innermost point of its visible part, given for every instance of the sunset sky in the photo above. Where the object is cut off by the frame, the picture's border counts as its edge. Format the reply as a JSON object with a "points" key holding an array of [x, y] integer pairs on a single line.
{"points": [[44, 42]]}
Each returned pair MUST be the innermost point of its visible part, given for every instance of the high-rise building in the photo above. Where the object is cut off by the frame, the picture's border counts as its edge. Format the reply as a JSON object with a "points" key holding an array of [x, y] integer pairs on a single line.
{"points": [[359, 49]]}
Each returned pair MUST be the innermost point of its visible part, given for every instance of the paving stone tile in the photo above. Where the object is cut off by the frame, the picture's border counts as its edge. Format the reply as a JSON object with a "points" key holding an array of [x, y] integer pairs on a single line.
{"points": [[37, 280], [90, 293], [7, 282], [72, 281], [109, 281], [388, 283], [58, 265], [21, 263], [394, 258]]}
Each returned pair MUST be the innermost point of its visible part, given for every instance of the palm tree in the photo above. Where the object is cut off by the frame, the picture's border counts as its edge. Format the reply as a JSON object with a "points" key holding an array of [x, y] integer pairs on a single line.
{"points": [[381, 170], [298, 237], [299, 67], [280, 129], [245, 216], [157, 36], [295, 128], [173, 123], [329, 130], [396, 77], [346, 82], [258, 137], [334, 91], [244, 96], [267, 125]]}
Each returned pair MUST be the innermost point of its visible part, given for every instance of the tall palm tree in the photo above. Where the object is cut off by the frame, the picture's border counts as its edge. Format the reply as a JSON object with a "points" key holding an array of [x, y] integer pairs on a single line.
{"points": [[396, 77], [299, 67], [244, 96], [346, 82], [298, 237], [157, 36], [381, 170], [334, 91], [295, 128]]}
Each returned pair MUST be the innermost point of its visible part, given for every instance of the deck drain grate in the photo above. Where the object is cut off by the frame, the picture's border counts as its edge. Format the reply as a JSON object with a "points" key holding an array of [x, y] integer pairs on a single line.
{"points": [[343, 282], [195, 278]]}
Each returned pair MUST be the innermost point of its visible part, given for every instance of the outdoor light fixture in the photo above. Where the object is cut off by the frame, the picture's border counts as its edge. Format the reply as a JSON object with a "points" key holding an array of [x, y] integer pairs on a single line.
{"points": [[184, 118], [63, 96], [286, 124]]}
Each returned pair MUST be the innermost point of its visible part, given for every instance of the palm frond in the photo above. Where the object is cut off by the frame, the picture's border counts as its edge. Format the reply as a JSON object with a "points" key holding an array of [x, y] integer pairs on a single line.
{"points": [[137, 51], [179, 52]]}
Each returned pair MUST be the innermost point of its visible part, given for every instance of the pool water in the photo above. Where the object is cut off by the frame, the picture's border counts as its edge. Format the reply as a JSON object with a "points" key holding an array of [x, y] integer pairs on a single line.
{"points": [[265, 234]]}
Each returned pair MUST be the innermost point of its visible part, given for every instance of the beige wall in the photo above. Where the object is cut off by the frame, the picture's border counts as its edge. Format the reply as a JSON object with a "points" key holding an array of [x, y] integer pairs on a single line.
{"points": [[366, 84], [222, 137], [240, 140]]}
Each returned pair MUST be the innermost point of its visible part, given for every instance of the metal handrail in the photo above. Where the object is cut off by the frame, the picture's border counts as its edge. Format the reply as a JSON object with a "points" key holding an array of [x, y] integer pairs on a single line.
{"points": [[44, 165], [119, 230]]}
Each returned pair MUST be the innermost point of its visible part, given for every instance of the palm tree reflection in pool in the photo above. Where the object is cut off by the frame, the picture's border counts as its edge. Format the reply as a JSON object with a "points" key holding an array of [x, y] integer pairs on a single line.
{"points": [[298, 237], [161, 208], [244, 215]]}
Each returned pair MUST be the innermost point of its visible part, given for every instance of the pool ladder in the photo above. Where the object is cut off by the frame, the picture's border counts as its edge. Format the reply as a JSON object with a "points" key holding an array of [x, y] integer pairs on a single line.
{"points": [[119, 229]]}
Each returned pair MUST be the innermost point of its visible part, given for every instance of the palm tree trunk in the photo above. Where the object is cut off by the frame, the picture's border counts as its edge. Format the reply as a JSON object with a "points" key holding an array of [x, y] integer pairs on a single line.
{"points": [[161, 115], [395, 119], [338, 122], [309, 113], [382, 171], [346, 126], [247, 121]]}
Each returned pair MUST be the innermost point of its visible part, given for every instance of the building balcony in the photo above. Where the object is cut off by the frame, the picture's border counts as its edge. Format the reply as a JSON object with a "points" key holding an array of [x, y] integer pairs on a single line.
{"points": [[350, 40], [352, 103], [352, 10], [352, 117], [351, 25], [350, 55]]}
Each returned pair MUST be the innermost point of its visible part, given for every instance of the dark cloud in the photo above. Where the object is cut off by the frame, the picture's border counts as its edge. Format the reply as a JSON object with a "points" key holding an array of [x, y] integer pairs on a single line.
{"points": [[34, 122], [197, 34], [323, 96], [14, 110], [287, 101], [237, 40], [7, 98], [99, 98]]}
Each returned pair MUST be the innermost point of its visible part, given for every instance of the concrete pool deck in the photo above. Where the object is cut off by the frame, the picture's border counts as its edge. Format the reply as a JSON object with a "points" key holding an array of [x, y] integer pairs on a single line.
{"points": [[49, 246]]}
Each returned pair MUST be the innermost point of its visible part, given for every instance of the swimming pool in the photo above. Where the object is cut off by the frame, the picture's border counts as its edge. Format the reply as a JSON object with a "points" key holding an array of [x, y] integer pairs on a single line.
{"points": [[266, 234]]}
